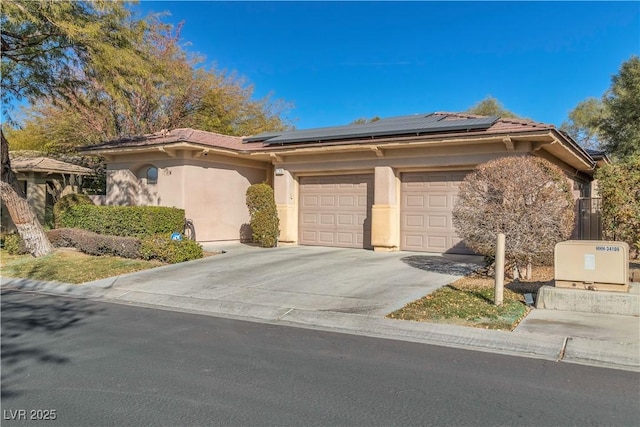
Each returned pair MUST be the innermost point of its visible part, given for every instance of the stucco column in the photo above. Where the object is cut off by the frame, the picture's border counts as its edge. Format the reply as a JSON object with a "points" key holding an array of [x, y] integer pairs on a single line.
{"points": [[37, 195], [284, 189], [385, 220]]}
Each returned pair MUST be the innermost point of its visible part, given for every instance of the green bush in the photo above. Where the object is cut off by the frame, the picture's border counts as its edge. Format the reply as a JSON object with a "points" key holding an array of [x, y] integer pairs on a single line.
{"points": [[619, 187], [124, 221], [14, 245], [264, 215], [95, 244], [66, 202], [162, 248]]}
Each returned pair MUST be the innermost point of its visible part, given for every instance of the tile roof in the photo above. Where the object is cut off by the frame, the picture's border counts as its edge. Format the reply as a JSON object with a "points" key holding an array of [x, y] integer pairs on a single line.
{"points": [[440, 124], [47, 164], [172, 136]]}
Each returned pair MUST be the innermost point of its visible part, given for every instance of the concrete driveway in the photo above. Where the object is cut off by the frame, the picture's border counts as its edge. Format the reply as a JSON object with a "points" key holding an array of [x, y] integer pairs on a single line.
{"points": [[269, 283]]}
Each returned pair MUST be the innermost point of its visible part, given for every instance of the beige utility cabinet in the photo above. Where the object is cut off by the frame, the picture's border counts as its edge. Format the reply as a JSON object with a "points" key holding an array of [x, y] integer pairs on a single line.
{"points": [[592, 264]]}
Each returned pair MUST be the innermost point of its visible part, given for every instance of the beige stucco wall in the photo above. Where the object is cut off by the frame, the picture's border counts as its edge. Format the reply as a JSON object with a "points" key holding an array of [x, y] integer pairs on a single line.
{"points": [[211, 189], [215, 197], [37, 194], [385, 212], [285, 189]]}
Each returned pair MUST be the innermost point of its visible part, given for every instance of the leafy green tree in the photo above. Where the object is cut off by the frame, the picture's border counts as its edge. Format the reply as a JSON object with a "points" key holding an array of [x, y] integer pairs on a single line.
{"points": [[620, 126], [490, 106], [619, 187], [226, 106], [611, 123], [47, 49], [177, 93], [583, 124], [48, 46]]}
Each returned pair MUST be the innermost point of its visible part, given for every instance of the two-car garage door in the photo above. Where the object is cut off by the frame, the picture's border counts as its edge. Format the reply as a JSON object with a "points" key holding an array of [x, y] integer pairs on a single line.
{"points": [[426, 223], [336, 210]]}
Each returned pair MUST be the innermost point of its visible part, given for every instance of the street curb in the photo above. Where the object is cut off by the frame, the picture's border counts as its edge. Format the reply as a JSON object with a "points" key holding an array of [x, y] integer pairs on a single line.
{"points": [[625, 356], [586, 351], [56, 288], [534, 345]]}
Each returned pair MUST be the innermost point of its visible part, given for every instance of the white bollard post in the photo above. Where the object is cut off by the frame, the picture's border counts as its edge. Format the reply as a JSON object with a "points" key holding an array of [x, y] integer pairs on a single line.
{"points": [[499, 271]]}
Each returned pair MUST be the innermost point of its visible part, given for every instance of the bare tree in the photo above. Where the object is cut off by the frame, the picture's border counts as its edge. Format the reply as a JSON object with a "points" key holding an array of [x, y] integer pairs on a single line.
{"points": [[527, 198]]}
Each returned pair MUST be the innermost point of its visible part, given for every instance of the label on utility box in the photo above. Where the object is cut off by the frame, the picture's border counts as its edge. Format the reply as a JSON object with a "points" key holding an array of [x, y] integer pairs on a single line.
{"points": [[608, 248], [589, 261]]}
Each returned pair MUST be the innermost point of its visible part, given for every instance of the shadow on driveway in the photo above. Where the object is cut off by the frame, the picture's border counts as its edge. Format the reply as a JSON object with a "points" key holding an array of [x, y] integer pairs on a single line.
{"points": [[441, 265]]}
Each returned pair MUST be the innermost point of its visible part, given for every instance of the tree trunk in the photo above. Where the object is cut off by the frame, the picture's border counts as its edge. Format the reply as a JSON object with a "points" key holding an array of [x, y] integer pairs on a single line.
{"points": [[21, 213]]}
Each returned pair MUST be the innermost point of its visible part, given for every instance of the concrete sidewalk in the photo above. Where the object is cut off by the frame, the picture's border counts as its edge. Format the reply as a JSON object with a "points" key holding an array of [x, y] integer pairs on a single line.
{"points": [[584, 338]]}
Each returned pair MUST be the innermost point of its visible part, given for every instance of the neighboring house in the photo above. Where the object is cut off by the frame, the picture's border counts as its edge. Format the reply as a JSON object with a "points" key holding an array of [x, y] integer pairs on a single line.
{"points": [[386, 185], [43, 180]]}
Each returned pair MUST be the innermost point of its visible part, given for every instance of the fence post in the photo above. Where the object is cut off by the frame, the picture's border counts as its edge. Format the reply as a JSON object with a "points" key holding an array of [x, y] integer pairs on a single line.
{"points": [[499, 270]]}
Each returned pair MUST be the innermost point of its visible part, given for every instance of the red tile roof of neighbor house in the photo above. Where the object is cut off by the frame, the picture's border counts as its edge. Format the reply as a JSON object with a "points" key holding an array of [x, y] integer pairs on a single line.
{"points": [[172, 136], [47, 165], [342, 134]]}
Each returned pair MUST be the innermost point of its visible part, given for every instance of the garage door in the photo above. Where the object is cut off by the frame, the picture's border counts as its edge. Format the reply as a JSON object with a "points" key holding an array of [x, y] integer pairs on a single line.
{"points": [[336, 211], [426, 212]]}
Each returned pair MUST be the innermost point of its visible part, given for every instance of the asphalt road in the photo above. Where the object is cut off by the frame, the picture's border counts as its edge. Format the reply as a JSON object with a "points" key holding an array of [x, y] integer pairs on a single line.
{"points": [[87, 363]]}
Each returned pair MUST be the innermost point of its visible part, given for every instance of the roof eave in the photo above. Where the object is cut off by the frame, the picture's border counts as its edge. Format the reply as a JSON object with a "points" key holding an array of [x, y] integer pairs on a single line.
{"points": [[579, 152], [165, 147], [51, 171]]}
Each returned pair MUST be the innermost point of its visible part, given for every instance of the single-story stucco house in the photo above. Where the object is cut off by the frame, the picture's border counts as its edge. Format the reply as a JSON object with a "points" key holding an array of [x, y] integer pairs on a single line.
{"points": [[385, 185], [43, 180]]}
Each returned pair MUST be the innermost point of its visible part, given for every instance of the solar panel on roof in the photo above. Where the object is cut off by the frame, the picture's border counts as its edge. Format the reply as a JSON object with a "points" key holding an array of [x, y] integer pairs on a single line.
{"points": [[261, 136], [404, 125]]}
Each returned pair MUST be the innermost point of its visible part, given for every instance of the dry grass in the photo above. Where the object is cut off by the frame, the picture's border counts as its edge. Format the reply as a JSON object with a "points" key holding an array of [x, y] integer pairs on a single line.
{"points": [[69, 266], [469, 301]]}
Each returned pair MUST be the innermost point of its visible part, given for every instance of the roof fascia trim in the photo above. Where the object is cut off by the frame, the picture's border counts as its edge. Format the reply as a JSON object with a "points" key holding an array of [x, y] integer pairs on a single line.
{"points": [[164, 147]]}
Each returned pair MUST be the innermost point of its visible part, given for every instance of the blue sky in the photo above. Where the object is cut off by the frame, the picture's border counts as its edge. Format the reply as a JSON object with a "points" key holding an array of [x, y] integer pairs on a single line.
{"points": [[338, 61]]}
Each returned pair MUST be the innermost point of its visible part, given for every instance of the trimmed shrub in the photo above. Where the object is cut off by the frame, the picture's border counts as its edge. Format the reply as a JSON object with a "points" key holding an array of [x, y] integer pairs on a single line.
{"points": [[95, 244], [265, 224], [64, 237], [162, 248], [526, 198], [14, 245], [125, 221], [66, 202]]}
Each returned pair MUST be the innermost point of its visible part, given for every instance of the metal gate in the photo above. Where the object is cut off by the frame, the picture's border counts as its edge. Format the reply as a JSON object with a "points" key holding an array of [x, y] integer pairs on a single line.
{"points": [[589, 218]]}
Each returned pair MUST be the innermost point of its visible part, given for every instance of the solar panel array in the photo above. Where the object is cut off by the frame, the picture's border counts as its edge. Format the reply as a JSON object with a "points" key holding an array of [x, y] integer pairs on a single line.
{"points": [[403, 125]]}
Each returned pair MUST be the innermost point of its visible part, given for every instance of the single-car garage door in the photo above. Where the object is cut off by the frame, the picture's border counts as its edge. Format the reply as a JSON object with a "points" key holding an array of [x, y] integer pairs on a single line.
{"points": [[426, 212], [336, 210]]}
